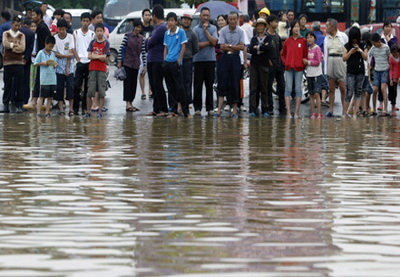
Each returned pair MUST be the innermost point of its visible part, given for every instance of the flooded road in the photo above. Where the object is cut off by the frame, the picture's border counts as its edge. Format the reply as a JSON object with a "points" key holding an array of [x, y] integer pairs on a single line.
{"points": [[141, 196]]}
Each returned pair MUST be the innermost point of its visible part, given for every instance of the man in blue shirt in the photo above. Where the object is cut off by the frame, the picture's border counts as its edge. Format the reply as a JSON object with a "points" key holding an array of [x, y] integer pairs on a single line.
{"points": [[5, 25], [204, 62], [174, 49]]}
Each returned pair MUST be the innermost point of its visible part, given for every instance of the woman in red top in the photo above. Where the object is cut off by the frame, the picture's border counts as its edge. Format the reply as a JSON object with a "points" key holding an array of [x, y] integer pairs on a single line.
{"points": [[293, 53]]}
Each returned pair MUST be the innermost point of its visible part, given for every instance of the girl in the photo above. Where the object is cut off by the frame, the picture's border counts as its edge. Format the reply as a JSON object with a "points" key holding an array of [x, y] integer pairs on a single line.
{"points": [[354, 54], [293, 54], [394, 62], [314, 73]]}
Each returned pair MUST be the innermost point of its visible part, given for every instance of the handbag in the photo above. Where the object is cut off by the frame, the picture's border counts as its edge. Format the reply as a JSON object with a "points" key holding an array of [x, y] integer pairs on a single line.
{"points": [[120, 74]]}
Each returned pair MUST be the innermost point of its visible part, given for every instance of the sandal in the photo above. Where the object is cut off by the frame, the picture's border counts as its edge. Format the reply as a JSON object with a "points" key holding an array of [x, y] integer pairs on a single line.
{"points": [[71, 113], [130, 109], [61, 114], [151, 114], [143, 96], [136, 109]]}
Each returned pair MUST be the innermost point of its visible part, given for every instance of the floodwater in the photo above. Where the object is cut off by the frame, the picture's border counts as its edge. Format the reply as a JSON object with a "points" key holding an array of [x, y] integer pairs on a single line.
{"points": [[141, 196]]}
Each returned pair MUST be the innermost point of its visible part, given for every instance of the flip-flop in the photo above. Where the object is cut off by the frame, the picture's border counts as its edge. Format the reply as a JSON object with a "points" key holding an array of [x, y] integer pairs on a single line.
{"points": [[151, 114], [130, 109], [135, 109]]}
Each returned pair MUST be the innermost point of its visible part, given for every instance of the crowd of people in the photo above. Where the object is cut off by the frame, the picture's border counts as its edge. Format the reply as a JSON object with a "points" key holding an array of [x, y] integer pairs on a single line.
{"points": [[45, 59]]}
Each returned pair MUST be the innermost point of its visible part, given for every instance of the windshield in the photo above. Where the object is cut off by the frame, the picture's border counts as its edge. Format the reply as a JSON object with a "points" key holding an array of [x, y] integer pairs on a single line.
{"points": [[118, 8]]}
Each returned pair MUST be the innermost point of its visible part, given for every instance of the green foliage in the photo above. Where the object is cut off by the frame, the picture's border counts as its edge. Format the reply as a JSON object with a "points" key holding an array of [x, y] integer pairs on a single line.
{"points": [[77, 4]]}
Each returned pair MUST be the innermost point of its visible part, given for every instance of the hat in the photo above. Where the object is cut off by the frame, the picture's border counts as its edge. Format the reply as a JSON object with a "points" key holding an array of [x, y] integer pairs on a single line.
{"points": [[261, 21], [264, 10], [186, 15]]}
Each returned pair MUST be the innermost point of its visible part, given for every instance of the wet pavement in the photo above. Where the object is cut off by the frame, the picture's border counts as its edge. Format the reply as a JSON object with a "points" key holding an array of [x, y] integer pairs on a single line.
{"points": [[131, 195]]}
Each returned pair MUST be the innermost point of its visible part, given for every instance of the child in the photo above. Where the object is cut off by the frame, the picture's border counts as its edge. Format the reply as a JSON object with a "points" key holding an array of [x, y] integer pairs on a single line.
{"points": [[394, 62], [293, 54], [65, 76], [354, 55], [48, 80], [314, 73], [174, 48], [367, 89], [380, 53], [98, 50]]}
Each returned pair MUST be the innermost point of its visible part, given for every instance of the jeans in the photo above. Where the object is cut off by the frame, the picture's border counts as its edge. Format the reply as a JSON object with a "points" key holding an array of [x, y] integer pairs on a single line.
{"points": [[295, 78], [354, 86], [204, 72], [187, 74], [156, 83], [80, 77], [173, 79]]}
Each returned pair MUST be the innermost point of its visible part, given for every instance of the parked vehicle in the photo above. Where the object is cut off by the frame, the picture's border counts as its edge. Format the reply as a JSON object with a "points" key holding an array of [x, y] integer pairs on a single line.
{"points": [[125, 26]]}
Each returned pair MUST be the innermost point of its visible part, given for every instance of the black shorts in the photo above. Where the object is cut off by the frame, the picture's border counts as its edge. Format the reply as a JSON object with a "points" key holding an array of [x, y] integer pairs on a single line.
{"points": [[47, 91]]}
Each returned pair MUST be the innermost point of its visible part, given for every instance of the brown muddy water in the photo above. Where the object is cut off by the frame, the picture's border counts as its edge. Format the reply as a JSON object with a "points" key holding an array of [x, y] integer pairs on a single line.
{"points": [[140, 196]]}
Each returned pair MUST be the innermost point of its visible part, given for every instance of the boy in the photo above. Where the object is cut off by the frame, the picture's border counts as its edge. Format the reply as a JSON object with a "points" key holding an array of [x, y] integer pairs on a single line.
{"points": [[65, 76], [48, 81], [380, 52], [174, 48], [98, 50]]}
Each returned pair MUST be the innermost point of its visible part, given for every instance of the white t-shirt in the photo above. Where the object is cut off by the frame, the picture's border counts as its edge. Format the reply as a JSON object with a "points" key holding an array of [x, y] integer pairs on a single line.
{"points": [[63, 46], [82, 44]]}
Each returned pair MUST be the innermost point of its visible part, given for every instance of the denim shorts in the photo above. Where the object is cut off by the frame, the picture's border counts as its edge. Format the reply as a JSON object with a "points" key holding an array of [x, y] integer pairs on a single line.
{"points": [[354, 86], [366, 87], [315, 84], [380, 77]]}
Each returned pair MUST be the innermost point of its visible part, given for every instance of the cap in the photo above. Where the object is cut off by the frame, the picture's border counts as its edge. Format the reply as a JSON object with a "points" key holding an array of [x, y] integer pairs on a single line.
{"points": [[186, 15], [261, 21], [265, 10]]}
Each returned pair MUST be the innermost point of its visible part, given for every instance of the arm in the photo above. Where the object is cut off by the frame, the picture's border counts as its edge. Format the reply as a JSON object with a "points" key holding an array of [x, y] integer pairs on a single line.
{"points": [[121, 52], [20, 47], [227, 47], [253, 46], [283, 53], [144, 56], [195, 42], [156, 37], [183, 49], [6, 43], [211, 37], [165, 52]]}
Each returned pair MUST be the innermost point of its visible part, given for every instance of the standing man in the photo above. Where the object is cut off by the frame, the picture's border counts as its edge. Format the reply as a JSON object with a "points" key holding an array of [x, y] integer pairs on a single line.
{"points": [[155, 46], [147, 28], [276, 70], [229, 69], [192, 47], [46, 18], [42, 31], [29, 43], [204, 62], [335, 67], [5, 24], [14, 47], [247, 28], [68, 17], [83, 37]]}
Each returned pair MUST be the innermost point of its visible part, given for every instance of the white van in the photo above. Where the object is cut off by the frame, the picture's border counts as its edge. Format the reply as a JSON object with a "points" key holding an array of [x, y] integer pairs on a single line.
{"points": [[124, 26]]}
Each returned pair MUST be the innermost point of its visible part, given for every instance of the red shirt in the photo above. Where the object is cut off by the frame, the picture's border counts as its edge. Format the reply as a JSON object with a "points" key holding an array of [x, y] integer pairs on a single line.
{"points": [[293, 53], [99, 48]]}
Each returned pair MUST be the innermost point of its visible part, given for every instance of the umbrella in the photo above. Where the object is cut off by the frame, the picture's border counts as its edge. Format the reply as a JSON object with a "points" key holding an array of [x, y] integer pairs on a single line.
{"points": [[217, 8]]}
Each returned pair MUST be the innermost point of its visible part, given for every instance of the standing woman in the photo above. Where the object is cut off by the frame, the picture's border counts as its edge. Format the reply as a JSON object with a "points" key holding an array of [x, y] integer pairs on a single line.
{"points": [[129, 57], [354, 54], [294, 52]]}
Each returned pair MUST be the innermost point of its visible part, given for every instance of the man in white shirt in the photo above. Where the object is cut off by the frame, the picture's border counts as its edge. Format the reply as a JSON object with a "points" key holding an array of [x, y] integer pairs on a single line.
{"points": [[247, 28], [83, 37], [46, 18]]}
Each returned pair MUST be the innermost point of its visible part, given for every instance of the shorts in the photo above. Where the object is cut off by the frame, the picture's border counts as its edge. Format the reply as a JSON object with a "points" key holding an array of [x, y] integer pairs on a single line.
{"points": [[366, 87], [47, 91], [97, 82], [336, 69], [380, 77], [65, 82], [314, 84]]}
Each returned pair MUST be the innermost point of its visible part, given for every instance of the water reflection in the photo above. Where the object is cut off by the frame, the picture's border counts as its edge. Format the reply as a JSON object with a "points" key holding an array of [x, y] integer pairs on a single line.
{"points": [[137, 196]]}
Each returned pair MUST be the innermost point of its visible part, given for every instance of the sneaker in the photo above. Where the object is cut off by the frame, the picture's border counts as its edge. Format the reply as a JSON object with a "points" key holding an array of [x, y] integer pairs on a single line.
{"points": [[397, 108], [87, 115], [197, 113], [319, 116], [99, 115], [314, 115], [227, 108], [235, 115], [265, 115], [243, 109], [104, 109], [252, 114], [215, 110], [329, 114]]}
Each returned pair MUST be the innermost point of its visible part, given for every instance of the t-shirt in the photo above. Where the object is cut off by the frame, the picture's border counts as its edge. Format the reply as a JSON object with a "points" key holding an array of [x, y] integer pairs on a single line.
{"points": [[174, 42], [47, 73], [146, 31], [315, 56], [355, 64], [205, 54], [99, 48], [228, 36], [63, 46], [82, 43], [381, 57]]}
